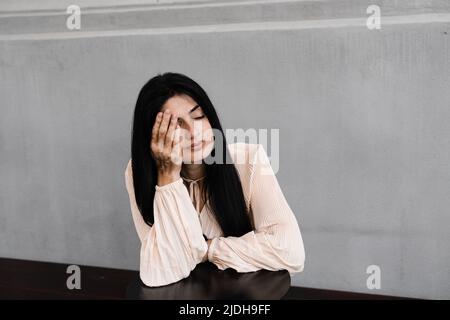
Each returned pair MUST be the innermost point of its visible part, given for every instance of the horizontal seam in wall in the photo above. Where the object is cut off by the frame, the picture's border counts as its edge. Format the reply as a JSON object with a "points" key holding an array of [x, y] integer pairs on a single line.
{"points": [[235, 27], [146, 7]]}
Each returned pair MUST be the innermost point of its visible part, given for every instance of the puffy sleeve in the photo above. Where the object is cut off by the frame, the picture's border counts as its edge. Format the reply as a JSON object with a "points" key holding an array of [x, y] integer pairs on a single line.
{"points": [[276, 242], [174, 244]]}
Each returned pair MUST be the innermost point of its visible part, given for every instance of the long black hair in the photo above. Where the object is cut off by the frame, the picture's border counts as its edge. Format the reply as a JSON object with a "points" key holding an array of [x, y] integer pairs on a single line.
{"points": [[222, 186]]}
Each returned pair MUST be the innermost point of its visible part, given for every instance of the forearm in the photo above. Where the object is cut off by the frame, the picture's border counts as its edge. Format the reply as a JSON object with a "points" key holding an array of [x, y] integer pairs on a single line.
{"points": [[259, 250], [175, 244]]}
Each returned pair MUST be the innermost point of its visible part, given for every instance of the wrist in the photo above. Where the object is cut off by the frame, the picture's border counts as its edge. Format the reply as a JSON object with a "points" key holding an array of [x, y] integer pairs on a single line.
{"points": [[166, 178]]}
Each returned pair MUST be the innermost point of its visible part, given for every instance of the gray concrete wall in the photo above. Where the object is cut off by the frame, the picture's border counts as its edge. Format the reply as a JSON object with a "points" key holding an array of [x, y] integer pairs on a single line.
{"points": [[365, 140]]}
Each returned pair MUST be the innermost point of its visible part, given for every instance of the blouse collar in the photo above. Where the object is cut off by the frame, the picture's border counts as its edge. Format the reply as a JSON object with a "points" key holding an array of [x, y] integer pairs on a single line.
{"points": [[194, 191]]}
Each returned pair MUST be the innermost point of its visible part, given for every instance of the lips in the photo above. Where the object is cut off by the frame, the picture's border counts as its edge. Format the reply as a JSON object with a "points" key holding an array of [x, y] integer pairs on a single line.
{"points": [[196, 145]]}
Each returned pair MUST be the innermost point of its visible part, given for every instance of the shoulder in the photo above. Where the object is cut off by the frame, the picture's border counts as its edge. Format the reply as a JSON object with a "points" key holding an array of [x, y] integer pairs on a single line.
{"points": [[249, 156], [251, 159], [128, 169], [243, 153], [129, 176]]}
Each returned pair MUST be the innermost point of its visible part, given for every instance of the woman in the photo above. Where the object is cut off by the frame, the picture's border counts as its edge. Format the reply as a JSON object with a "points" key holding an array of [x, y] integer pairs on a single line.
{"points": [[186, 210]]}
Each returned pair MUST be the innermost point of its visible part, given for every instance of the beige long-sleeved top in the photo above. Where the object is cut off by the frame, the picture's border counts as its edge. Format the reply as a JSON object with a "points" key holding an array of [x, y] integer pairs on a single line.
{"points": [[174, 244]]}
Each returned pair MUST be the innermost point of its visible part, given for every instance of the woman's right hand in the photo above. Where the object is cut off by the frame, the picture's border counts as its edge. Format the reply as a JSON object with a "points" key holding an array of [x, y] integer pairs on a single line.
{"points": [[165, 148]]}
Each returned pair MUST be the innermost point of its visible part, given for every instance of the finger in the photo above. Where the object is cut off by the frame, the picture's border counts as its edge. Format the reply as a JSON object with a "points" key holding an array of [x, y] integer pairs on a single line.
{"points": [[163, 129], [176, 148], [155, 128], [176, 137], [170, 132]]}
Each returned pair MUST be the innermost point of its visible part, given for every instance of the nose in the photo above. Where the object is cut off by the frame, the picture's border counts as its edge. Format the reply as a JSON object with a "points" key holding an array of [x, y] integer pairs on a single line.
{"points": [[192, 130]]}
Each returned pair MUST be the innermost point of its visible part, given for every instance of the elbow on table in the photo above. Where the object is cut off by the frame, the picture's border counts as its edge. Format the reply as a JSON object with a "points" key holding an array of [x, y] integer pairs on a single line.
{"points": [[294, 256], [156, 270], [155, 273], [298, 263], [159, 278], [286, 252]]}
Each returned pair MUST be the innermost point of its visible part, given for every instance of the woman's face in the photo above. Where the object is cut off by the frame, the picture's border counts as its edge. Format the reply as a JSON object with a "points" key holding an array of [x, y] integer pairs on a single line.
{"points": [[195, 130]]}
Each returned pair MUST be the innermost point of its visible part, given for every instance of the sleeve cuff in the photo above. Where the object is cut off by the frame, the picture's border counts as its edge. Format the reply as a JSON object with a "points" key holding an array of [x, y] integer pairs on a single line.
{"points": [[211, 249], [170, 186]]}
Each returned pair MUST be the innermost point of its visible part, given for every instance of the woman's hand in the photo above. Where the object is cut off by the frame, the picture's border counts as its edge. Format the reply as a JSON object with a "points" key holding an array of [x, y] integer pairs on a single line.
{"points": [[165, 148]]}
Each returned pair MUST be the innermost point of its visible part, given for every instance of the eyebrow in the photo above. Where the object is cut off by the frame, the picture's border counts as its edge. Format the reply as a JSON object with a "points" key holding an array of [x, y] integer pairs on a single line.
{"points": [[194, 108]]}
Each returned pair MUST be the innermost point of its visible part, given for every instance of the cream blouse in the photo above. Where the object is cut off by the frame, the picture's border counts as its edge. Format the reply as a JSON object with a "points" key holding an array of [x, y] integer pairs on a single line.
{"points": [[173, 246]]}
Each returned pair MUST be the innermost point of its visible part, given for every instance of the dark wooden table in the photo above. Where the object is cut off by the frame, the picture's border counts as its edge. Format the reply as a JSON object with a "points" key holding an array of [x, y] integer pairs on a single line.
{"points": [[207, 282], [23, 279]]}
